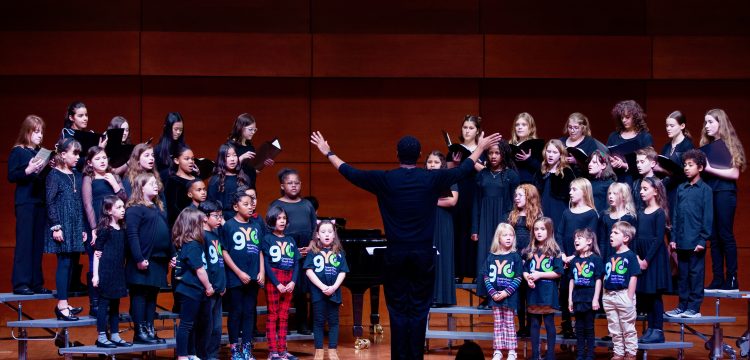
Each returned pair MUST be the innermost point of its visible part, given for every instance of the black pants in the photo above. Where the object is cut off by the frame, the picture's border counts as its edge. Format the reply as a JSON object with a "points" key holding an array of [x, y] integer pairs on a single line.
{"points": [[63, 273], [549, 327], [653, 306], [242, 301], [193, 330], [326, 311], [408, 284], [691, 266], [301, 302], [523, 289], [31, 222], [567, 317], [723, 243], [585, 334], [143, 303], [108, 314], [214, 315]]}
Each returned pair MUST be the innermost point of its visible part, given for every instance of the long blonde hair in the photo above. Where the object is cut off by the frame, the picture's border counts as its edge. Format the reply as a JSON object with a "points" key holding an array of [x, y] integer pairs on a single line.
{"points": [[137, 197], [729, 135], [563, 158], [585, 186], [533, 207], [502, 227], [626, 195], [188, 227], [532, 127], [549, 247]]}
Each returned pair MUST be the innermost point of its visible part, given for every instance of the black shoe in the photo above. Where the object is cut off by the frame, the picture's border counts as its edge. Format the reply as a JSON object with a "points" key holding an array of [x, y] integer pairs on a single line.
{"points": [[731, 285], [106, 345], [75, 310], [484, 305], [656, 336], [523, 332], [606, 338], [715, 285], [42, 291], [152, 334], [645, 336], [23, 291], [141, 336], [60, 316], [568, 334], [122, 343], [303, 330], [259, 334]]}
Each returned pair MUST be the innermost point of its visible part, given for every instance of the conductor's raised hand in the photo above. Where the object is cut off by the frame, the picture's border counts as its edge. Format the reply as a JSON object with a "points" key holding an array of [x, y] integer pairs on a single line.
{"points": [[485, 142], [316, 138]]}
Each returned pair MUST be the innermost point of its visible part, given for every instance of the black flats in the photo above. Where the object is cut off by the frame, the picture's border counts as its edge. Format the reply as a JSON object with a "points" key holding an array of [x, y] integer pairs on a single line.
{"points": [[60, 316]]}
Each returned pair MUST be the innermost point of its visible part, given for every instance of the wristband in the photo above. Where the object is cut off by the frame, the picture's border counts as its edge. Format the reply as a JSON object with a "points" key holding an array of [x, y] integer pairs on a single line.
{"points": [[330, 153], [55, 228]]}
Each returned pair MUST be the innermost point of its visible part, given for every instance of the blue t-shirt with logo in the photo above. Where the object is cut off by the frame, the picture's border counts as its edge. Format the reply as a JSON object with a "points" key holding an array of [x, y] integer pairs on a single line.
{"points": [[619, 269], [545, 291], [191, 258], [327, 266], [241, 241], [585, 271], [503, 273], [215, 260], [280, 252]]}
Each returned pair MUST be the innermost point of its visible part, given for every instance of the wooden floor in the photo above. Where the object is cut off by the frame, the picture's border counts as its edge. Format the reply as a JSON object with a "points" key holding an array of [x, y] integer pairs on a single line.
{"points": [[380, 348]]}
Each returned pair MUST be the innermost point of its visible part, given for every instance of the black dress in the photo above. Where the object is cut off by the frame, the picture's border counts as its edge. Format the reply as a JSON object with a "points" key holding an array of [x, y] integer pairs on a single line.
{"points": [[111, 242], [493, 201], [465, 249], [588, 145], [225, 196], [599, 192], [99, 189], [554, 191], [175, 191], [605, 228], [247, 168], [523, 235], [644, 139], [445, 285], [148, 239], [64, 208], [569, 223], [673, 181], [650, 246]]}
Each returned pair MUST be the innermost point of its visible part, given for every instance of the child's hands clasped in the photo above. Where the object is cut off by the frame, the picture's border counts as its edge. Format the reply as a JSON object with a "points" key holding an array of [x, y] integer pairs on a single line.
{"points": [[594, 305]]}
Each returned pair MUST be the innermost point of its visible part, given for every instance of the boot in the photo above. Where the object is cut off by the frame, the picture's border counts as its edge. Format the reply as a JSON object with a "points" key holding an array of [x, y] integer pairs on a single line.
{"points": [[333, 354], [93, 295], [141, 335], [152, 333], [319, 354]]}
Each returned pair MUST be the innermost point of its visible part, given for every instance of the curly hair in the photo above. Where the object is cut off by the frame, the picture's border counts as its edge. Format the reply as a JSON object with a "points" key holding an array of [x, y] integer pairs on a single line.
{"points": [[629, 107]]}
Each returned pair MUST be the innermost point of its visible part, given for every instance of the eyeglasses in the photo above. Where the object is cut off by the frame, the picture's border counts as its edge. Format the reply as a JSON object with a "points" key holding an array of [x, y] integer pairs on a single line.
{"points": [[251, 130], [216, 216]]}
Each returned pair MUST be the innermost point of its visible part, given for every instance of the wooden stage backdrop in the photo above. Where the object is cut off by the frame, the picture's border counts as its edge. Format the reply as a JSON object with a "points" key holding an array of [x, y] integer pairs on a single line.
{"points": [[365, 73]]}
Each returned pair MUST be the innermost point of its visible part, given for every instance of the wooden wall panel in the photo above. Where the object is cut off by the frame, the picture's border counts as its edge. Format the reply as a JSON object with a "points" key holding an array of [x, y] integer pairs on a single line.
{"points": [[364, 118], [397, 55], [7, 211], [48, 97], [696, 17], [598, 57], [79, 15], [550, 102], [69, 53], [258, 16], [682, 57], [210, 106], [588, 17], [395, 17], [339, 198], [225, 54]]}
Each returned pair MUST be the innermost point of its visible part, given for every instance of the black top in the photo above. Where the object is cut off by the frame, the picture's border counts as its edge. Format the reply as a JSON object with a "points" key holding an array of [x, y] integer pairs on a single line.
{"points": [[673, 181], [503, 273], [605, 229], [650, 235], [569, 223], [191, 258], [246, 166], [94, 192], [523, 235], [148, 233], [111, 242], [692, 220], [280, 253], [636, 192], [586, 271], [407, 198], [326, 266], [588, 145], [241, 242], [29, 188], [644, 139], [215, 261], [175, 191], [545, 291], [527, 168], [619, 269], [225, 197], [599, 190], [65, 208], [554, 191], [301, 220]]}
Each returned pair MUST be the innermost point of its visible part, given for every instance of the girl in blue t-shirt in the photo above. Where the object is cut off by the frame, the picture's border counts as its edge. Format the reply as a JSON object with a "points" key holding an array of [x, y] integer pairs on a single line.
{"points": [[585, 289], [281, 256], [542, 271], [326, 268], [194, 287]]}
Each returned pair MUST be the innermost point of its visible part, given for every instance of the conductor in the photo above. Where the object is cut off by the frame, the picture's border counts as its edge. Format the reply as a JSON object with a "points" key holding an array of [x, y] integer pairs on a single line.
{"points": [[407, 198]]}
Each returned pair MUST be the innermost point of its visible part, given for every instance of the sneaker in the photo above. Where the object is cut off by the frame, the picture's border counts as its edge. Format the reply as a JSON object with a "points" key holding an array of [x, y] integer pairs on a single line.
{"points": [[715, 285], [273, 356], [511, 355], [287, 356], [497, 355], [674, 313], [730, 285], [690, 314]]}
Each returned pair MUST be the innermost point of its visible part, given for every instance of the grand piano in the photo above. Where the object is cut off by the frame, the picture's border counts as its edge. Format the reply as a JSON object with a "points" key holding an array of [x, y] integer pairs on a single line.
{"points": [[365, 271]]}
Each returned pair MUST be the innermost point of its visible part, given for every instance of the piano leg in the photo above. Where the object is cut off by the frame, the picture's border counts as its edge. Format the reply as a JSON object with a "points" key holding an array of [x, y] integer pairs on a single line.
{"points": [[374, 310], [357, 305]]}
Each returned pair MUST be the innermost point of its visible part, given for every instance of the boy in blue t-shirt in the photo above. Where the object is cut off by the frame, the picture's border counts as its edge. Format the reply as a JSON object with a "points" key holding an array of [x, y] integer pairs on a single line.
{"points": [[620, 279]]}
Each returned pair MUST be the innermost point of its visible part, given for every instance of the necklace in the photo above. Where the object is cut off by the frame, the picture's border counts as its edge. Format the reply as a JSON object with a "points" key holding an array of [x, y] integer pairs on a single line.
{"points": [[72, 178], [495, 174]]}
